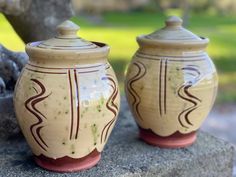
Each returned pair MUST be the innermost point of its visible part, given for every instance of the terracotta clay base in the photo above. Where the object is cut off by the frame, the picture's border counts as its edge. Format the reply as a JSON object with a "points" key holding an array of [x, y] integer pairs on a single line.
{"points": [[176, 140], [67, 164]]}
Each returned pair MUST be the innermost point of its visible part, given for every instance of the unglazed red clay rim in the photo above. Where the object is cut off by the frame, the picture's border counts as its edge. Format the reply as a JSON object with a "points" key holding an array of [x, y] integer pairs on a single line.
{"points": [[176, 140], [67, 164]]}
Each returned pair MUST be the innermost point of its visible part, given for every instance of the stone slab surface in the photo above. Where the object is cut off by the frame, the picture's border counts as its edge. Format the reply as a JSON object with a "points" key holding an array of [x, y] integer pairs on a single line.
{"points": [[221, 123], [126, 156]]}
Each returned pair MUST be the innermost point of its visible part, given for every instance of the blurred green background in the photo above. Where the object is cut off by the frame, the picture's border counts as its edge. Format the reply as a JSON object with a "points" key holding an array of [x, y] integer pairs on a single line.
{"points": [[119, 30]]}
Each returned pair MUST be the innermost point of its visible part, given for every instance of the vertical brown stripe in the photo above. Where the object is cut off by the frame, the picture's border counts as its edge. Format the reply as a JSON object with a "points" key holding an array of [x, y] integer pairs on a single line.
{"points": [[72, 110], [160, 88], [165, 86], [78, 104]]}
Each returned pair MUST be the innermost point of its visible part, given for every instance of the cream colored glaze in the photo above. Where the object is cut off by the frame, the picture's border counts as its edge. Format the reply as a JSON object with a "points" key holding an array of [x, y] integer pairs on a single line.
{"points": [[66, 107], [169, 88], [94, 93]]}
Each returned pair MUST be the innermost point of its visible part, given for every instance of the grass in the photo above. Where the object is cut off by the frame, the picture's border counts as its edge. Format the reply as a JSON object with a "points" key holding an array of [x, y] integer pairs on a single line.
{"points": [[8, 37], [119, 30]]}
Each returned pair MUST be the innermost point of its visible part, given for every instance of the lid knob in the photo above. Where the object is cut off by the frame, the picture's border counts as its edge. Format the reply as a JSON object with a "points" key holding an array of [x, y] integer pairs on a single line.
{"points": [[174, 21], [67, 29]]}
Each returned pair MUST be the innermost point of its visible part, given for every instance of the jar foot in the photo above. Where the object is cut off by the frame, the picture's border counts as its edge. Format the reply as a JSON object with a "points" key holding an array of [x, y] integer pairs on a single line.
{"points": [[67, 164], [176, 140]]}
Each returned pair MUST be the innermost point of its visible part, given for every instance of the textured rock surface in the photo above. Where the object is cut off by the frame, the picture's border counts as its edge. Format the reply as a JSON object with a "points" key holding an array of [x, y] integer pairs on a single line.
{"points": [[8, 122], [15, 7], [11, 63], [125, 155]]}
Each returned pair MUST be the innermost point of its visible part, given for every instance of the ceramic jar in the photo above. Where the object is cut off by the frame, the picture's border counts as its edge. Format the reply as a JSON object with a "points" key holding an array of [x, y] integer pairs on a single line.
{"points": [[67, 100], [171, 85]]}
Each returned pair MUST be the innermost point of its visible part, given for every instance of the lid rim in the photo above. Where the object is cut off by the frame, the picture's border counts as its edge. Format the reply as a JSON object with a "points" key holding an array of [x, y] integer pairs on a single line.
{"points": [[183, 43], [33, 51], [34, 45]]}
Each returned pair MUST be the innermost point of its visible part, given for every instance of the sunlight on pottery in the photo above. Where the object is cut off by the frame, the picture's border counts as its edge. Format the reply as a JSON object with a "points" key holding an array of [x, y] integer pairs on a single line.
{"points": [[171, 85], [67, 100]]}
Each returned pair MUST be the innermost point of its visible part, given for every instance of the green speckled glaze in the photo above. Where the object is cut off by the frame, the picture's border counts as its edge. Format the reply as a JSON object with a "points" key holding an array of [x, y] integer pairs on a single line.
{"points": [[67, 98]]}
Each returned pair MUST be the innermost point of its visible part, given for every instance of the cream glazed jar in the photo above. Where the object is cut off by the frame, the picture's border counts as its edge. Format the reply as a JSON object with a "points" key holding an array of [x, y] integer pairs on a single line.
{"points": [[67, 100], [171, 85]]}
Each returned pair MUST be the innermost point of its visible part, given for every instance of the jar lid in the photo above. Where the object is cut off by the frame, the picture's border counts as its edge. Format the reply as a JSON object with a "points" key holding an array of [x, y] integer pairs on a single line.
{"points": [[67, 39], [67, 45], [173, 33]]}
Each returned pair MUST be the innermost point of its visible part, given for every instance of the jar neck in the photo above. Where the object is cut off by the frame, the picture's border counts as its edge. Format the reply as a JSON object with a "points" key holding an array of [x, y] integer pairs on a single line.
{"points": [[171, 47], [164, 51]]}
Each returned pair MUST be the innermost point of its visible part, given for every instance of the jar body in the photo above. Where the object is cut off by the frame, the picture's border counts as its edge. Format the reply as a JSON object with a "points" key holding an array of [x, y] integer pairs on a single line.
{"points": [[170, 95], [66, 110]]}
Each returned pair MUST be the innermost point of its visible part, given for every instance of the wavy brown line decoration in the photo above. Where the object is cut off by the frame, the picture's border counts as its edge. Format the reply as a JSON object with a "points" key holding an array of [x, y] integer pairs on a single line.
{"points": [[38, 133], [193, 68], [185, 112], [190, 98], [113, 108], [114, 111], [139, 75], [116, 92], [33, 103], [113, 104], [33, 110]]}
